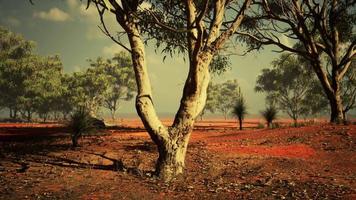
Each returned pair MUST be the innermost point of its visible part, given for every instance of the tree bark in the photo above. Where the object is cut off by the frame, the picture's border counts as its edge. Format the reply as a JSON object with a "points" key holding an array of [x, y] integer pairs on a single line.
{"points": [[336, 107], [332, 91]]}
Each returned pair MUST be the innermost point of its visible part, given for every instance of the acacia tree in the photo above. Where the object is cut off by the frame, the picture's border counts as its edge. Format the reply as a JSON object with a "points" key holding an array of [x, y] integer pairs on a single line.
{"points": [[319, 29], [14, 50], [288, 84], [200, 25], [120, 77], [228, 93]]}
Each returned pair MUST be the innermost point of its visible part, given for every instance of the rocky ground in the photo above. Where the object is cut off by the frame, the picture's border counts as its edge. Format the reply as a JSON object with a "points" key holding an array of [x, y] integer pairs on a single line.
{"points": [[317, 161]]}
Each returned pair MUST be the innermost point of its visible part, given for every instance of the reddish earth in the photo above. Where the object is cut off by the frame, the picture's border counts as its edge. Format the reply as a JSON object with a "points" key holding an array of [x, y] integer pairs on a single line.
{"points": [[317, 161]]}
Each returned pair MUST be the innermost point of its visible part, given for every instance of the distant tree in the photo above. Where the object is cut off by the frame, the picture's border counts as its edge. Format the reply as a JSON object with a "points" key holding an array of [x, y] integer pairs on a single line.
{"points": [[270, 114], [288, 83], [228, 92], [120, 77], [48, 86], [87, 90], [240, 109], [65, 103], [323, 33], [14, 53], [211, 100]]}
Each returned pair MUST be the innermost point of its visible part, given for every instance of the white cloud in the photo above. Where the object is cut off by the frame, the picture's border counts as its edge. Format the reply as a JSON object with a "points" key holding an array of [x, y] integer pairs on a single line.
{"points": [[54, 14], [11, 21], [112, 49]]}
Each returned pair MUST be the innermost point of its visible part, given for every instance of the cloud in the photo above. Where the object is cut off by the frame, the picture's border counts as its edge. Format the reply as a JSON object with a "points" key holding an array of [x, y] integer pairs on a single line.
{"points": [[54, 14], [111, 50], [11, 21]]}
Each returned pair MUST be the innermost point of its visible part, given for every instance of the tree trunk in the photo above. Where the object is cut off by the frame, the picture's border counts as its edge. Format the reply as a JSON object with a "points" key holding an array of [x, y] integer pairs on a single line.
{"points": [[171, 160], [11, 115], [29, 116], [112, 114], [336, 107], [332, 91], [240, 122], [75, 141]]}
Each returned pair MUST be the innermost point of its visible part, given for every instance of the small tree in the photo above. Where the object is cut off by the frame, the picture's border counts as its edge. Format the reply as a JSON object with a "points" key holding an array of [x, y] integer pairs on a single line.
{"points": [[270, 114], [288, 84], [81, 122], [240, 110]]}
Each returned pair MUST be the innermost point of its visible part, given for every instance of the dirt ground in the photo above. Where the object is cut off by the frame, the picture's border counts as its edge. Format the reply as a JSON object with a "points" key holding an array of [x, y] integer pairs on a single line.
{"points": [[317, 161]]}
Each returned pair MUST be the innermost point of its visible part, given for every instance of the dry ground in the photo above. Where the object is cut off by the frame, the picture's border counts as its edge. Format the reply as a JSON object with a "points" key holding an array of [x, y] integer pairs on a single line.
{"points": [[311, 162]]}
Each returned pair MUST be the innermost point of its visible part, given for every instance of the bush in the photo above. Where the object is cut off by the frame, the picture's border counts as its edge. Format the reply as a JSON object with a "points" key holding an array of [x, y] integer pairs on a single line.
{"points": [[270, 114], [260, 125], [240, 110], [81, 122], [276, 125]]}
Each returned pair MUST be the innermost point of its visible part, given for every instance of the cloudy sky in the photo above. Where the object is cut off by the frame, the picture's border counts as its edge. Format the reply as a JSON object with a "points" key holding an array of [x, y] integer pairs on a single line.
{"points": [[66, 28]]}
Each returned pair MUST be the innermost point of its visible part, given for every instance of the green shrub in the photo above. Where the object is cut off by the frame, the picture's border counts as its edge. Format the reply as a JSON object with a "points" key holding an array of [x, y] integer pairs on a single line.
{"points": [[260, 125], [81, 122], [276, 125], [270, 114]]}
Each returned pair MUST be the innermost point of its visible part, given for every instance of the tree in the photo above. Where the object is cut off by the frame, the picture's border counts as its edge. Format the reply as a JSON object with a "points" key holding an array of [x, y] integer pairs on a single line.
{"points": [[87, 90], [121, 81], [48, 85], [228, 93], [270, 114], [201, 36], [322, 32], [14, 52], [349, 89], [211, 99], [289, 84], [240, 109]]}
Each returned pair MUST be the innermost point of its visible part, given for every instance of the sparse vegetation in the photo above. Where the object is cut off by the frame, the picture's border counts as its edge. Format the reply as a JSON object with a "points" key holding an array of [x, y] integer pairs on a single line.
{"points": [[270, 114], [240, 109], [81, 122]]}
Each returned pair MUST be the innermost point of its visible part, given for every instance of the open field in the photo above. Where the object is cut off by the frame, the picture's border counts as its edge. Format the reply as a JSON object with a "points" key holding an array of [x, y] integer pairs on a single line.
{"points": [[311, 162]]}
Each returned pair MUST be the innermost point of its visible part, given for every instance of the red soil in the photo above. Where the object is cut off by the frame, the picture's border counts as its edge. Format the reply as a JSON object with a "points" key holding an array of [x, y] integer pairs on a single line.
{"points": [[311, 162]]}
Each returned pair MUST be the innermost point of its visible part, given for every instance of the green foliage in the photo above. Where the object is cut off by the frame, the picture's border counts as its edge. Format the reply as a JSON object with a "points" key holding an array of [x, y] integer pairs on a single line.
{"points": [[292, 86], [270, 114], [81, 122], [220, 64], [119, 77], [260, 125], [222, 97]]}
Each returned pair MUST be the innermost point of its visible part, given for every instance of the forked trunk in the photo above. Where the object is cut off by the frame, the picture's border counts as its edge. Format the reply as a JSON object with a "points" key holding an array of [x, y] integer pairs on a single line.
{"points": [[171, 160]]}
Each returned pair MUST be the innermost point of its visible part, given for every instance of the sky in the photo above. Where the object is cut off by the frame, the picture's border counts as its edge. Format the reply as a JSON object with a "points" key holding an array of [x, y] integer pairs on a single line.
{"points": [[66, 28]]}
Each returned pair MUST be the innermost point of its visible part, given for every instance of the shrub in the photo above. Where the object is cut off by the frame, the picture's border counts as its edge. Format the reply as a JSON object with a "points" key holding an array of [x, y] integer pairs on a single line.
{"points": [[270, 114], [81, 122], [240, 110], [276, 125], [260, 125]]}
